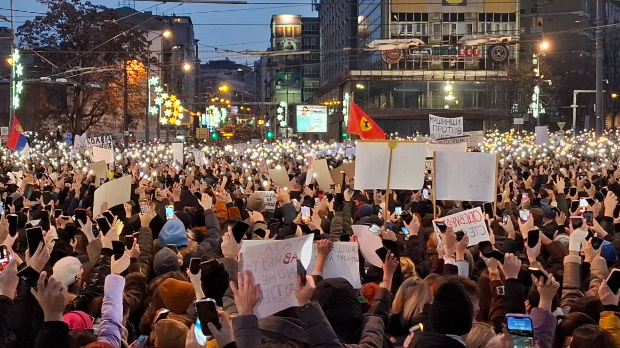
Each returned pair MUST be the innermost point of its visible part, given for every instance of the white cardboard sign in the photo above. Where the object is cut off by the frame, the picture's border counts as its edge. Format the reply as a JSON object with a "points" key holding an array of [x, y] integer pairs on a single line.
{"points": [[465, 176], [369, 243], [469, 221], [274, 265], [371, 165], [177, 153], [117, 191], [102, 154], [342, 262]]}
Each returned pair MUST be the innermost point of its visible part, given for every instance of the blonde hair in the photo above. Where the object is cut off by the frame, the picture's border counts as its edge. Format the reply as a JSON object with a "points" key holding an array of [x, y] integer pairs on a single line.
{"points": [[407, 267], [479, 335], [411, 297]]}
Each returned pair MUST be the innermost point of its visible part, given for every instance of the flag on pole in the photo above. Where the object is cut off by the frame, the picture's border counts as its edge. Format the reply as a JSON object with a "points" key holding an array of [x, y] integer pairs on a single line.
{"points": [[17, 139], [364, 126]]}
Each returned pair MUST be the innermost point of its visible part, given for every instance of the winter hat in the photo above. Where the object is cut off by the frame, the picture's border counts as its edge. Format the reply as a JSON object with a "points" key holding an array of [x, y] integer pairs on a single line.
{"points": [[549, 212], [78, 320], [608, 252], [365, 210], [451, 312], [170, 334], [339, 300], [185, 218], [234, 213], [177, 294], [66, 269], [165, 261], [173, 232], [256, 202]]}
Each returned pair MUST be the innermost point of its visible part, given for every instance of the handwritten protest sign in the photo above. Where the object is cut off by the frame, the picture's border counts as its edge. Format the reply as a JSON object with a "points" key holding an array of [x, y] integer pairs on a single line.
{"points": [[270, 200], [465, 176], [469, 221], [274, 265], [80, 143], [475, 138], [372, 165], [342, 262], [445, 127], [103, 141], [369, 243], [200, 159], [309, 162], [347, 168], [113, 192]]}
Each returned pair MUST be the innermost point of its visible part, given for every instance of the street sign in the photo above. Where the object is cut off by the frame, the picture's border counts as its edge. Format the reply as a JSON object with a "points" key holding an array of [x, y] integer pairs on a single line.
{"points": [[4, 133], [202, 133], [561, 125], [519, 120]]}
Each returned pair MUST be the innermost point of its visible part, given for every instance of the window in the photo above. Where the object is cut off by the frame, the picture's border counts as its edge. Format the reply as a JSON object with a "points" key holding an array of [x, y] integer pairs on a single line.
{"points": [[436, 31]]}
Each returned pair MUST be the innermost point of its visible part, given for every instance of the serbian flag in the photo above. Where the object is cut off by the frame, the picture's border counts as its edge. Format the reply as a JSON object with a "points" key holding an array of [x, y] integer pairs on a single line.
{"points": [[364, 126], [17, 140]]}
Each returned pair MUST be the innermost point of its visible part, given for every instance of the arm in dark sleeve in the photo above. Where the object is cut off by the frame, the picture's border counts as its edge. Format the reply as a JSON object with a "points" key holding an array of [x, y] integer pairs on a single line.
{"points": [[417, 248], [318, 330], [94, 285], [213, 232], [145, 260], [6, 310]]}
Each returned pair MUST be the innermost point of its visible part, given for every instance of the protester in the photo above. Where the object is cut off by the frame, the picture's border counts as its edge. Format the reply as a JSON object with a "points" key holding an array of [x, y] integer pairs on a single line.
{"points": [[217, 251]]}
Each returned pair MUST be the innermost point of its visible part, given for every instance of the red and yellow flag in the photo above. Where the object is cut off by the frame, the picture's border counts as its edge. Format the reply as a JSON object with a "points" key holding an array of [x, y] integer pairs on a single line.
{"points": [[364, 126]]}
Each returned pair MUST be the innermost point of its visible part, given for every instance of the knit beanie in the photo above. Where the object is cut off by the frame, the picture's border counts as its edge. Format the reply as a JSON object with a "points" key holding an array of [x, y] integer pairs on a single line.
{"points": [[66, 269], [452, 311], [78, 320], [256, 202], [170, 334], [173, 232], [165, 261], [177, 294], [365, 210], [185, 218]]}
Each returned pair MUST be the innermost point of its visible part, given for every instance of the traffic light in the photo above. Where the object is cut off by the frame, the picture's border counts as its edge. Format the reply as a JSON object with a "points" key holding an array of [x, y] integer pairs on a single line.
{"points": [[215, 135], [269, 135], [345, 135]]}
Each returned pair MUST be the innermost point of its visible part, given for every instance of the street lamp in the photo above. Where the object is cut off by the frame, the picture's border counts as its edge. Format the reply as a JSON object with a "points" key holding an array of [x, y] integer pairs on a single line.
{"points": [[544, 46], [166, 33], [224, 88], [614, 95], [187, 66]]}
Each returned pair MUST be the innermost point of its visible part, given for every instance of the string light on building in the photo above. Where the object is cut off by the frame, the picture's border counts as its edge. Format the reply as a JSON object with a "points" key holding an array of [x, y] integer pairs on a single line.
{"points": [[346, 100], [281, 114]]}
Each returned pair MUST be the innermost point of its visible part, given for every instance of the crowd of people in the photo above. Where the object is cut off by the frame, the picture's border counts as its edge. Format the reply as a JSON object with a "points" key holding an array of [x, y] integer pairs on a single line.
{"points": [[165, 270]]}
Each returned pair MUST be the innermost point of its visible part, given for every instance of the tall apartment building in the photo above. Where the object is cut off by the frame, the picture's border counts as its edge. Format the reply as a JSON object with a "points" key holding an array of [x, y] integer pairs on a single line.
{"points": [[339, 38], [439, 74]]}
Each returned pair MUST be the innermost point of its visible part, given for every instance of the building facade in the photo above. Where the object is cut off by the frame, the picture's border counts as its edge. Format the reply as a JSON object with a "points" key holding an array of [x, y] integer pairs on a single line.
{"points": [[444, 66], [338, 20], [568, 26]]}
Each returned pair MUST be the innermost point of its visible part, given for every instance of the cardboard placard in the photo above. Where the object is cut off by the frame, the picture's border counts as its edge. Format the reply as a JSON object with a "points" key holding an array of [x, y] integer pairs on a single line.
{"points": [[101, 154], [280, 177], [372, 162], [100, 170], [117, 191], [458, 147], [369, 243], [469, 221], [323, 177], [177, 153], [274, 265], [270, 200], [342, 262], [465, 176], [348, 168]]}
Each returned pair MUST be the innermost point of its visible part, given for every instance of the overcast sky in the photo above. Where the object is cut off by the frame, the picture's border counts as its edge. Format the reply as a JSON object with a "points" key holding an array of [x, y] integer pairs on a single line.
{"points": [[237, 34]]}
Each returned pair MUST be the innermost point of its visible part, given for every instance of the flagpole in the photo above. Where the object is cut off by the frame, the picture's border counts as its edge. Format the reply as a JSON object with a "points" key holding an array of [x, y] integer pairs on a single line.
{"points": [[12, 81]]}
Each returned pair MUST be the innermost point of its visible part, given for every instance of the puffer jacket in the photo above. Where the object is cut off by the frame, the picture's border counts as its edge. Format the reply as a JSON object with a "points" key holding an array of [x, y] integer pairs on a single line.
{"points": [[94, 285]]}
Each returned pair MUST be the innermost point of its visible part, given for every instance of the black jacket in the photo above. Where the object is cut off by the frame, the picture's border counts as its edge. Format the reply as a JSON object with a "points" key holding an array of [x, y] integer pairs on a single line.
{"points": [[427, 339]]}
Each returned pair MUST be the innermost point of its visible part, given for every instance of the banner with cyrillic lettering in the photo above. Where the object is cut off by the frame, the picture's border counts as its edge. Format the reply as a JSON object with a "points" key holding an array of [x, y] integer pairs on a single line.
{"points": [[445, 127], [469, 221]]}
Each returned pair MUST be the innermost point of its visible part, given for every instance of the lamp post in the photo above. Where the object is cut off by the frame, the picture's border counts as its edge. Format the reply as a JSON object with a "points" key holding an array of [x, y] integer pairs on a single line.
{"points": [[167, 34], [542, 47]]}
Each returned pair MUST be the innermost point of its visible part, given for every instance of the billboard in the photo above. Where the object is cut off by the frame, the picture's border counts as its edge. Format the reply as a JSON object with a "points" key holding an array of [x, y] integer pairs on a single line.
{"points": [[311, 119]]}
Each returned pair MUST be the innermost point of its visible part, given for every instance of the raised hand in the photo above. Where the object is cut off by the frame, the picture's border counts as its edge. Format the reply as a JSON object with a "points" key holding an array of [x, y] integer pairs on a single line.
{"points": [[247, 293]]}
